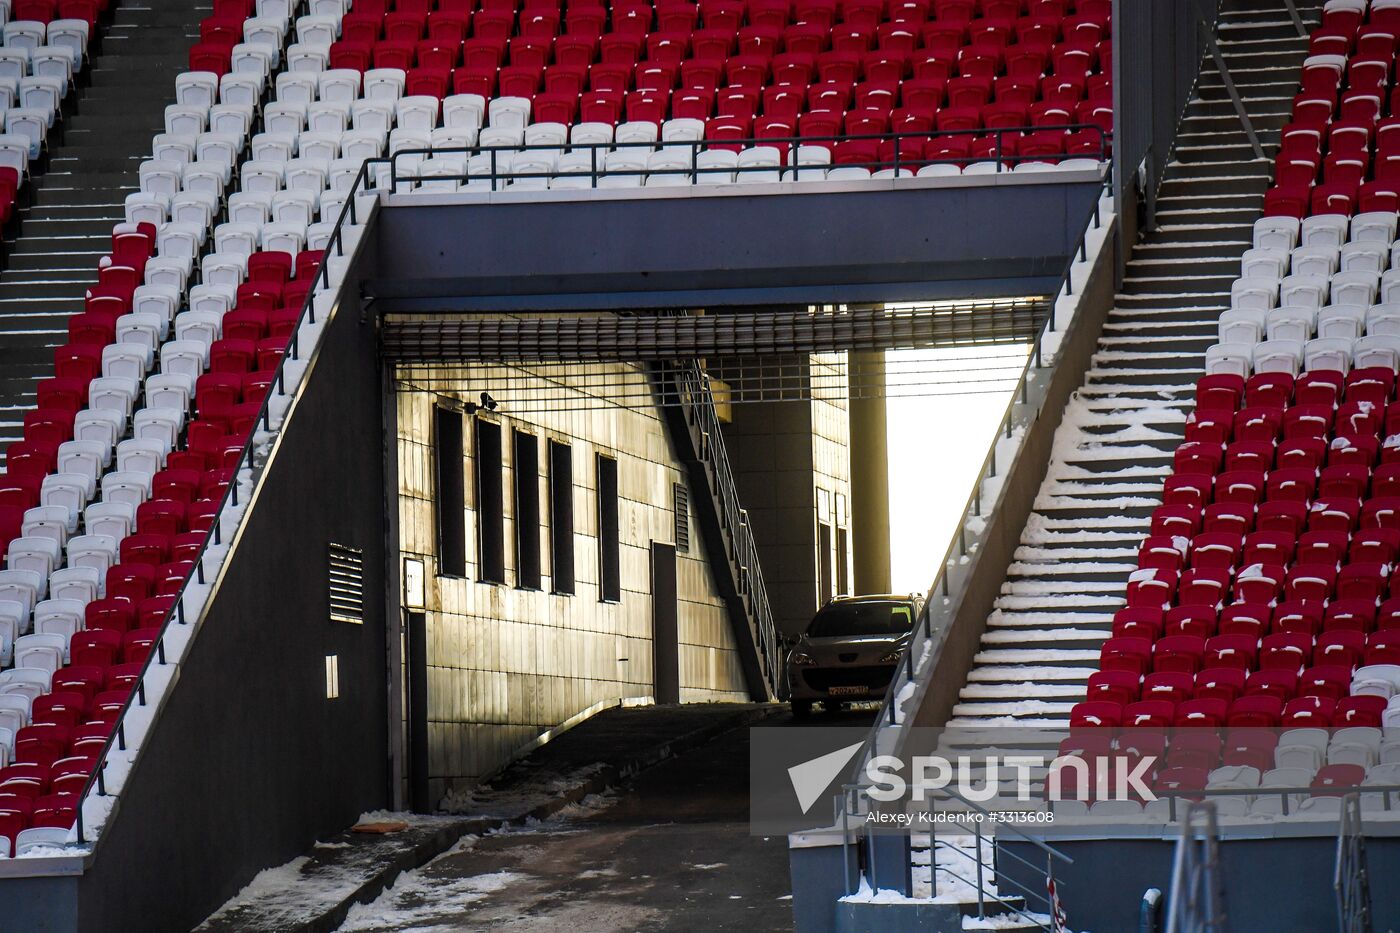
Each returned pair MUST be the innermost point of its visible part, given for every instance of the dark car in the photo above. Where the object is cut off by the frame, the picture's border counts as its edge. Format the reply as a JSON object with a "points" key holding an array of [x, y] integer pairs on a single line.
{"points": [[850, 650]]}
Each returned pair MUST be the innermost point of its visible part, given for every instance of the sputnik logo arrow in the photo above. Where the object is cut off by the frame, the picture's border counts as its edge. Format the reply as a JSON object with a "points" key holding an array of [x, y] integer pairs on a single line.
{"points": [[811, 778]]}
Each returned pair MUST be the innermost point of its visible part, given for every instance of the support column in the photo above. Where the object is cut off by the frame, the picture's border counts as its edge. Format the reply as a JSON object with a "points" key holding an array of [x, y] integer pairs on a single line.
{"points": [[870, 473]]}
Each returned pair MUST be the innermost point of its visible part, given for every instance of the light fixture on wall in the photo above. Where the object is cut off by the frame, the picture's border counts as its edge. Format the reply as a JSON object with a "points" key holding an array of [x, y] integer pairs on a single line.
{"points": [[487, 402]]}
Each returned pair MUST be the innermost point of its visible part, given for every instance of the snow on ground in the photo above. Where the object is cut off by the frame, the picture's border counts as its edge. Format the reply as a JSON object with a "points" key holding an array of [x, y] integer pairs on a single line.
{"points": [[417, 897], [1003, 922], [282, 896]]}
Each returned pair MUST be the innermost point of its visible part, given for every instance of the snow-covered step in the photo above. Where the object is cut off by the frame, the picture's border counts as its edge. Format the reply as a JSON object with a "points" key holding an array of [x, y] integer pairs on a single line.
{"points": [[1121, 429]]}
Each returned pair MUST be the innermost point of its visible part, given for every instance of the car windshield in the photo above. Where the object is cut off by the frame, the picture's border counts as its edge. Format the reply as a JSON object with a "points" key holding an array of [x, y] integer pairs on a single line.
{"points": [[847, 619]]}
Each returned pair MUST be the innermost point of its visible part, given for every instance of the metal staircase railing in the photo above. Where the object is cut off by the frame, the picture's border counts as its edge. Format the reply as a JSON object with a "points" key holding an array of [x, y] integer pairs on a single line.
{"points": [[1351, 881], [1197, 902], [687, 386], [1033, 899]]}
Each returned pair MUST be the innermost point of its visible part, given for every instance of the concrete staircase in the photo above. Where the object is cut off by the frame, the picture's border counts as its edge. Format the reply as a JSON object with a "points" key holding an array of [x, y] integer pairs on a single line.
{"points": [[1115, 447], [67, 226]]}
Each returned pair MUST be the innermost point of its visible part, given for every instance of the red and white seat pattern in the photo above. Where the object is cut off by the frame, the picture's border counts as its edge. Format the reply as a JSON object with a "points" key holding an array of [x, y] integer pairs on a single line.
{"points": [[108, 503], [1340, 152], [555, 76], [42, 46], [1264, 597]]}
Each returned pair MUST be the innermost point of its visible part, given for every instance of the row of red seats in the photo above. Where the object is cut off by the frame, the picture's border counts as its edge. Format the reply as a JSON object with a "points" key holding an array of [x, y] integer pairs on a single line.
{"points": [[570, 74], [24, 782], [1327, 199], [1262, 703], [1186, 654], [1309, 453], [1046, 145], [663, 31], [478, 60], [1359, 417], [445, 18], [1326, 660], [1286, 515], [950, 10], [1230, 392], [1115, 704], [125, 616], [1257, 620], [1260, 584], [1253, 485], [57, 811], [46, 11], [1227, 550]]}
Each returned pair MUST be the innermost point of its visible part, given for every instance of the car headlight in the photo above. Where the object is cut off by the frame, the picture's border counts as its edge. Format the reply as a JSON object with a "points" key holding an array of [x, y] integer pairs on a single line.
{"points": [[801, 659], [892, 658]]}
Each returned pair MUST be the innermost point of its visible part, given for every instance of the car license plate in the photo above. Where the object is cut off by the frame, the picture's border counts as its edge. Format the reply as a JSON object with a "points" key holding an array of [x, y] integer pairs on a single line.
{"points": [[847, 691]]}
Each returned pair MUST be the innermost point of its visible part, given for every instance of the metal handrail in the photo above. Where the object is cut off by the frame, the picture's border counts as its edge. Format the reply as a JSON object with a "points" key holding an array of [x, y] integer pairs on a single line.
{"points": [[695, 388], [96, 782], [1297, 19], [1022, 890], [1351, 879], [790, 144], [850, 795], [1197, 902], [983, 895]]}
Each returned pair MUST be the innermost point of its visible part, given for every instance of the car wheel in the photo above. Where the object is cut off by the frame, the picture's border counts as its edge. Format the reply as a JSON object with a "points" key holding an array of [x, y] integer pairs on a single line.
{"points": [[801, 709]]}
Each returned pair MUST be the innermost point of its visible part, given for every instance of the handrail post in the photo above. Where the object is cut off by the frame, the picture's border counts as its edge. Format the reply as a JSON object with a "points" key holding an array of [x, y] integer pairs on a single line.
{"points": [[981, 886], [1297, 20], [1230, 88]]}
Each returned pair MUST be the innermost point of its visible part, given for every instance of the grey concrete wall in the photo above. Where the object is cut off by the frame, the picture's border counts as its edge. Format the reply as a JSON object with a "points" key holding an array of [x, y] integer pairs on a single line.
{"points": [[1158, 48], [824, 244], [1271, 885]]}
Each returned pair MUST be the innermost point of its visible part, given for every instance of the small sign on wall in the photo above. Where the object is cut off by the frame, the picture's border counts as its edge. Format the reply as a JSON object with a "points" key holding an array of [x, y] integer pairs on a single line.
{"points": [[415, 588]]}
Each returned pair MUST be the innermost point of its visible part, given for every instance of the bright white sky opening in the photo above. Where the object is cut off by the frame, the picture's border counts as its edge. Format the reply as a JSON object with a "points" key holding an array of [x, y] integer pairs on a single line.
{"points": [[944, 406]]}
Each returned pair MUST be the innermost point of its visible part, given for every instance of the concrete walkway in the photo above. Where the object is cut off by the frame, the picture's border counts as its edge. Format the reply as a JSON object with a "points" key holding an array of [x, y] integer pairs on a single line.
{"points": [[669, 850], [637, 817]]}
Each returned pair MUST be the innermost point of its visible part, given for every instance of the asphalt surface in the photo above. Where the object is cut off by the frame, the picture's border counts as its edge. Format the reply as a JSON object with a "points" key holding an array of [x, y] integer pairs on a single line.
{"points": [[668, 850]]}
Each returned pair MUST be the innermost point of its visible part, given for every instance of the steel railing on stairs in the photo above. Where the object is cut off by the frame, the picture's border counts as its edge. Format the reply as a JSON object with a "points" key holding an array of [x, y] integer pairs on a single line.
{"points": [[971, 869], [686, 386], [1197, 901], [1351, 881]]}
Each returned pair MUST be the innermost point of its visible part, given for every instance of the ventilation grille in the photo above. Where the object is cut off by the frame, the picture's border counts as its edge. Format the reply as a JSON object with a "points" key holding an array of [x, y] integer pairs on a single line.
{"points": [[681, 496], [347, 584]]}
